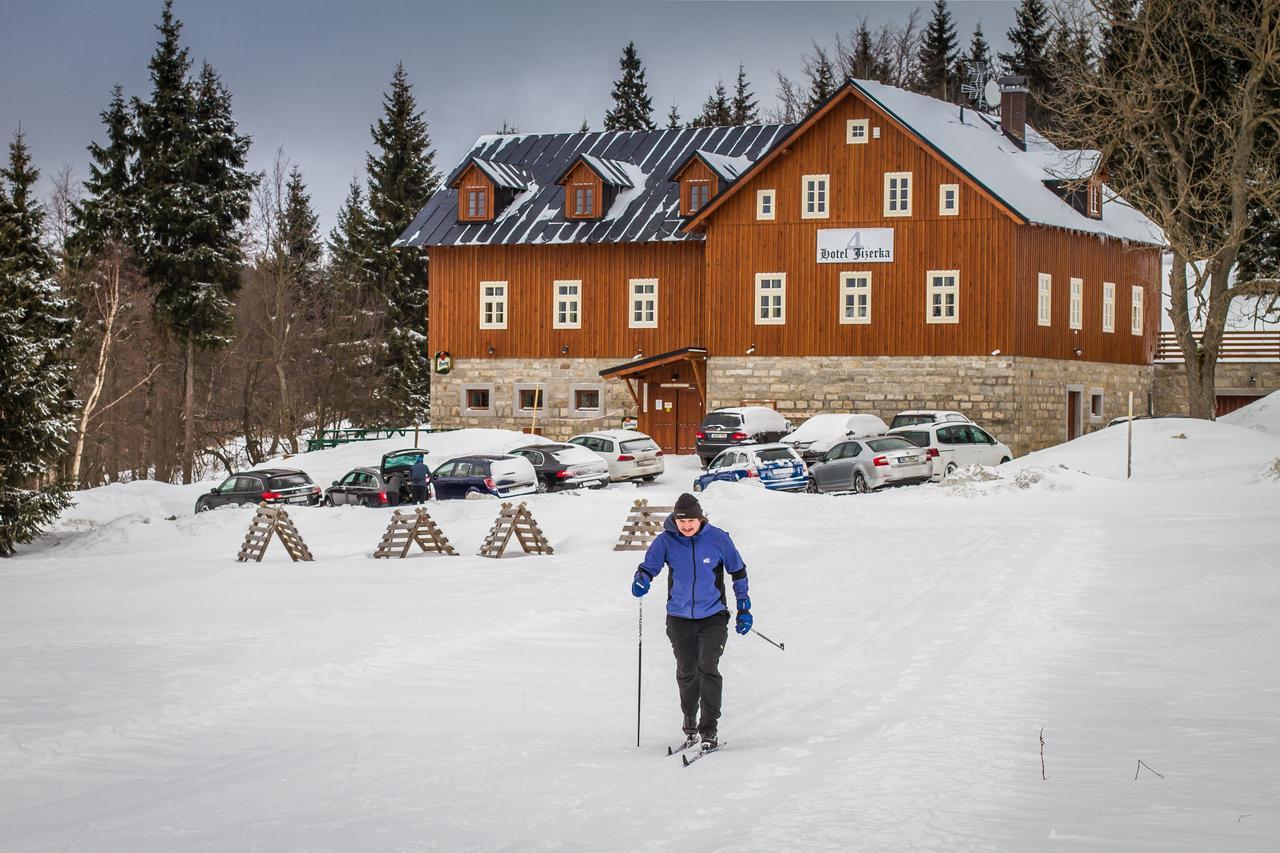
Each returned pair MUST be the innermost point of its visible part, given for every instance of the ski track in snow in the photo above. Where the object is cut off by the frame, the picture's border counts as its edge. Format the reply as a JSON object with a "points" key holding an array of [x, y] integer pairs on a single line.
{"points": [[156, 695]]}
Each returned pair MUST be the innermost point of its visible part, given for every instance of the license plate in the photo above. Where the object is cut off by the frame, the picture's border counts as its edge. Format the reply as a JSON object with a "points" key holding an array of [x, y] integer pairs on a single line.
{"points": [[718, 434], [909, 460], [299, 500]]}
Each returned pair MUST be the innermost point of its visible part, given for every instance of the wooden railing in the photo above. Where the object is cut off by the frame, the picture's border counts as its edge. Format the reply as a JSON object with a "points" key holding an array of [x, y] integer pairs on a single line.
{"points": [[1236, 346], [333, 437]]}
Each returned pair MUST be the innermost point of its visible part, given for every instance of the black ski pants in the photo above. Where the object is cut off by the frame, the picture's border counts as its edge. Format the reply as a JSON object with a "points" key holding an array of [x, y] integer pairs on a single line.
{"points": [[698, 644]]}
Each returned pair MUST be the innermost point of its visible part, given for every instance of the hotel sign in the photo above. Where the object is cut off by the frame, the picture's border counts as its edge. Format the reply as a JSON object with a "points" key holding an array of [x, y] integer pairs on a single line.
{"points": [[855, 245]]}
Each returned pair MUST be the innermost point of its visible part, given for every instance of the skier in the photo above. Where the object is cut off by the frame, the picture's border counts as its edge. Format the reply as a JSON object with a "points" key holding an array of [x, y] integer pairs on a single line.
{"points": [[418, 477], [697, 616]]}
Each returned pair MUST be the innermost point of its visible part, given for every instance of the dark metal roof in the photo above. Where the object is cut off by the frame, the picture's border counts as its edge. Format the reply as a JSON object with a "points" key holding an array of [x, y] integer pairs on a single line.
{"points": [[638, 364], [639, 163]]}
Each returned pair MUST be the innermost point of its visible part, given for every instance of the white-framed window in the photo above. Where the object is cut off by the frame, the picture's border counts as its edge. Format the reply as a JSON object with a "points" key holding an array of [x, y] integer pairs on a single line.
{"points": [[1135, 312], [1075, 316], [897, 193], [855, 297], [944, 296], [771, 298], [477, 400], [567, 313], [530, 398], [1108, 306], [813, 196], [493, 304], [642, 312], [948, 199], [1044, 299], [857, 131], [766, 204]]}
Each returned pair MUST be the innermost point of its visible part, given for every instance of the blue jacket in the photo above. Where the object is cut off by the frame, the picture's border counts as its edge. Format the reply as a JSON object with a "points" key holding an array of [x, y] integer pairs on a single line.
{"points": [[695, 587], [418, 474]]}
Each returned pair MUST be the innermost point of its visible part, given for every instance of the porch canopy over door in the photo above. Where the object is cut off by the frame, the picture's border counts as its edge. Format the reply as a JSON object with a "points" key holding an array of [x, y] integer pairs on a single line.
{"points": [[670, 392]]}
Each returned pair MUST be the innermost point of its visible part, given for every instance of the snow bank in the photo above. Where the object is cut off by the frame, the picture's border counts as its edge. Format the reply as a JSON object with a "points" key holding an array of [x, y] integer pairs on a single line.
{"points": [[1262, 415]]}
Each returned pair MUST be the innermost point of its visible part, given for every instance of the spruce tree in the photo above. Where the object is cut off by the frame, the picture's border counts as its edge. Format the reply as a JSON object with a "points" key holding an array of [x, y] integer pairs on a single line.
{"points": [[299, 234], [822, 78], [864, 65], [673, 117], [36, 410], [938, 54], [716, 111], [107, 214], [402, 177], [1030, 39], [745, 110], [632, 106], [978, 60]]}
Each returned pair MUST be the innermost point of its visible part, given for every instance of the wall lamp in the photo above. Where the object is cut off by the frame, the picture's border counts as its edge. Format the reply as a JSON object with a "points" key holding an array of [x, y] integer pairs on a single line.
{"points": [[639, 355], [751, 349], [1079, 352], [491, 350], [564, 350]]}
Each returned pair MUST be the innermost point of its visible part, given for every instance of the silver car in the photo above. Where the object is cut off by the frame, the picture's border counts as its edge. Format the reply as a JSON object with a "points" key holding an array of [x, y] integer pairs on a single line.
{"points": [[866, 464]]}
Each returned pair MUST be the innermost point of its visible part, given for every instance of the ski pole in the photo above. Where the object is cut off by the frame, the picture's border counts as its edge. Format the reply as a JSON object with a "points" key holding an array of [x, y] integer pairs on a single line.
{"points": [[639, 669], [782, 646]]}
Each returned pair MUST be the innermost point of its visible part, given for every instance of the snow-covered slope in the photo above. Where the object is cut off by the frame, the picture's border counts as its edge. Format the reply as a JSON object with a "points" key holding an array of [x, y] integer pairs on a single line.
{"points": [[155, 695], [1262, 415]]}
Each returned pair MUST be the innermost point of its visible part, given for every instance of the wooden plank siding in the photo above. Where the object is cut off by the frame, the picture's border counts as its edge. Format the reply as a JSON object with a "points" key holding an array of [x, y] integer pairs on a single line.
{"points": [[1066, 255], [978, 241], [473, 178], [605, 270], [997, 259]]}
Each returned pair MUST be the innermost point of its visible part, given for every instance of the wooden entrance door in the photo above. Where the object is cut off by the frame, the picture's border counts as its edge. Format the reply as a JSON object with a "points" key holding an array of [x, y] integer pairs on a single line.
{"points": [[673, 408], [1075, 414]]}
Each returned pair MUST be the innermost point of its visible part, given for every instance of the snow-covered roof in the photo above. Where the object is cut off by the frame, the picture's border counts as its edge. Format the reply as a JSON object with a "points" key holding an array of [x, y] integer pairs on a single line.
{"points": [[504, 175], [639, 163], [976, 146], [610, 171], [727, 168]]}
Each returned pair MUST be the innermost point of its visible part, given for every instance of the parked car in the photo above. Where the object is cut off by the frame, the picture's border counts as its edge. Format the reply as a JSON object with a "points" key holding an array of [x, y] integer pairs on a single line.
{"points": [[739, 425], [400, 462], [269, 485], [912, 417], [775, 466], [630, 455], [952, 446], [501, 476], [362, 486], [822, 432], [565, 466], [866, 464]]}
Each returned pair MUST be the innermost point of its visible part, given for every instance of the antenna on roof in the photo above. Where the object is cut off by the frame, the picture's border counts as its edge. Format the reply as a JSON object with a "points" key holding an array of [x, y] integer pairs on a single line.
{"points": [[980, 84]]}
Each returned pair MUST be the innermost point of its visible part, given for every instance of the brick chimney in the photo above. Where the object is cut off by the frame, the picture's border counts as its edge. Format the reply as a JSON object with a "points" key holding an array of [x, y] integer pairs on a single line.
{"points": [[1013, 109]]}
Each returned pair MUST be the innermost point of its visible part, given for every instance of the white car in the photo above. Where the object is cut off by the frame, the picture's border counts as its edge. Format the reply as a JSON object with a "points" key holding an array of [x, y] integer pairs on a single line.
{"points": [[630, 455], [822, 432], [911, 417], [955, 445]]}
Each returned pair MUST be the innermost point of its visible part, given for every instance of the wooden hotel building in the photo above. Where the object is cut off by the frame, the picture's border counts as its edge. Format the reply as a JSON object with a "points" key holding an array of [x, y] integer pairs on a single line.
{"points": [[890, 251]]}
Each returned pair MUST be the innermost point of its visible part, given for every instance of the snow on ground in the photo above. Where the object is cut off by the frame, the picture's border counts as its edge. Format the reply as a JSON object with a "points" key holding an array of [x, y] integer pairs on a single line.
{"points": [[155, 695], [1262, 415]]}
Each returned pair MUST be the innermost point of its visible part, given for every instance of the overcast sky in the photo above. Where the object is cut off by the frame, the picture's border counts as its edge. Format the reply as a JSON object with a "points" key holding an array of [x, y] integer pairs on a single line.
{"points": [[308, 77]]}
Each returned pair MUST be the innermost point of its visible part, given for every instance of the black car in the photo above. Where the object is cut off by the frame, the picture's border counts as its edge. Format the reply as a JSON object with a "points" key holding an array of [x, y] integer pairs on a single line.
{"points": [[363, 487], [269, 485], [739, 425], [565, 466]]}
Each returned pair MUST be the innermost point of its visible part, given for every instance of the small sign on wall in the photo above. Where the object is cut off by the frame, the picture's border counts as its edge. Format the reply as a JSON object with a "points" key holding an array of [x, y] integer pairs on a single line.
{"points": [[442, 362], [855, 245]]}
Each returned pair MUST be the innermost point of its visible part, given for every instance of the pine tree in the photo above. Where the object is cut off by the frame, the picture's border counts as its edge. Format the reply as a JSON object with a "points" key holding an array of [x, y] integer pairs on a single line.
{"points": [[673, 118], [585, 128], [349, 240], [864, 65], [300, 244], [716, 111], [938, 55], [402, 177], [35, 378], [1117, 35], [632, 106], [979, 55], [745, 110], [822, 78], [1030, 39]]}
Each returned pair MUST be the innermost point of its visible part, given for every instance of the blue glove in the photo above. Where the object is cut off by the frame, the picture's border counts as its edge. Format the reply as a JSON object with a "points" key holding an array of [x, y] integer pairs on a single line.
{"points": [[640, 584], [744, 603], [744, 622]]}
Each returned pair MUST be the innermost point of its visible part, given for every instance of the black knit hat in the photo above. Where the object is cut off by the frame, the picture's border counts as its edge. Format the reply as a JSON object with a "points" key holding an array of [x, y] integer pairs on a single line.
{"points": [[687, 506]]}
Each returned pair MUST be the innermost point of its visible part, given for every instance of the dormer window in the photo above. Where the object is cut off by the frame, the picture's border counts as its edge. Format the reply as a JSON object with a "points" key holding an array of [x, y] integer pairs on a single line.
{"points": [[584, 201], [697, 192], [1095, 198], [486, 188]]}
